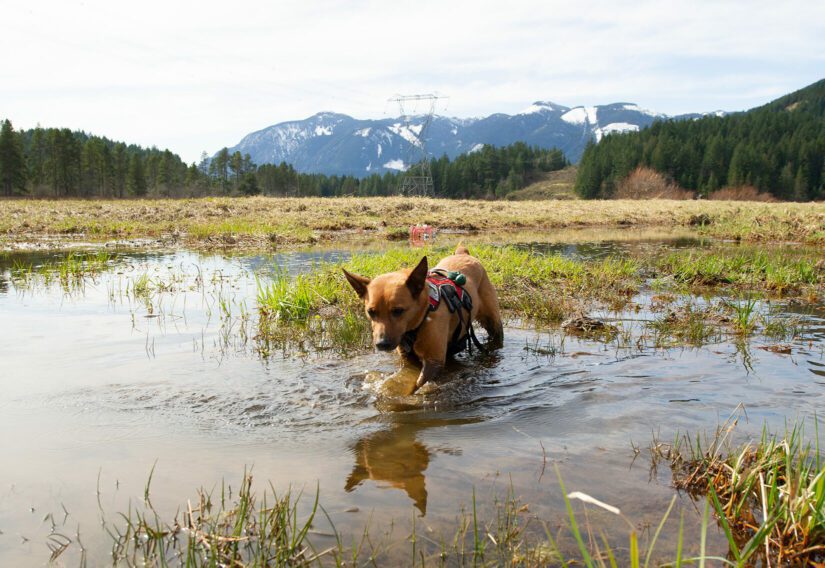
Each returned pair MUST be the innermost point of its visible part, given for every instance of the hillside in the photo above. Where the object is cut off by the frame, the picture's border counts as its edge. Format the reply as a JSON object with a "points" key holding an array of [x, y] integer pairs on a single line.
{"points": [[779, 148], [551, 185]]}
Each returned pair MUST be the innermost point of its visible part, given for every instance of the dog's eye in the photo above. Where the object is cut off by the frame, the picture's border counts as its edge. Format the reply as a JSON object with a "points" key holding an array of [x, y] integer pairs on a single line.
{"points": [[371, 313], [396, 312]]}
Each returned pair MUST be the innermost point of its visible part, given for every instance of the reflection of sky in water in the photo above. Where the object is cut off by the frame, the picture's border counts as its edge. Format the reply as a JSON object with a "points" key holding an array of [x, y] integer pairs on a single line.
{"points": [[92, 382]]}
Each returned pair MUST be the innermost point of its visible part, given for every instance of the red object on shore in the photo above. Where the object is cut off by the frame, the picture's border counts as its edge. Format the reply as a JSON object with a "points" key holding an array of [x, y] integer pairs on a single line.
{"points": [[421, 234]]}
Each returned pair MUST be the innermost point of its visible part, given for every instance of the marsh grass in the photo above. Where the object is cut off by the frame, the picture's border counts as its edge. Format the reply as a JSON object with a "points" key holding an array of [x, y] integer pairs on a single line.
{"points": [[745, 315], [260, 222], [218, 531], [541, 290], [774, 271], [70, 272], [537, 289], [768, 494], [783, 328], [687, 325], [250, 527]]}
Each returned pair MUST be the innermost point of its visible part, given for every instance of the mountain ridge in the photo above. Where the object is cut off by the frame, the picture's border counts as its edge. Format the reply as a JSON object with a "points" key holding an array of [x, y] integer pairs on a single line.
{"points": [[338, 144]]}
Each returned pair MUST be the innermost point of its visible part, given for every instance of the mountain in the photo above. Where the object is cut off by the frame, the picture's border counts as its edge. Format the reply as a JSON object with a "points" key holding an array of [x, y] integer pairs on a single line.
{"points": [[332, 143], [777, 148]]}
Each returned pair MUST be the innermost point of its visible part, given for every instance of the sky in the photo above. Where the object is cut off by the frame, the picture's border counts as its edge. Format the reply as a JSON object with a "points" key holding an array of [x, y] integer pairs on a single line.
{"points": [[198, 76]]}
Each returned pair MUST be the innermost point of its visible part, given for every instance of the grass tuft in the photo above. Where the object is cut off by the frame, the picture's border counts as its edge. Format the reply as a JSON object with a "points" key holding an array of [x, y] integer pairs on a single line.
{"points": [[768, 494]]}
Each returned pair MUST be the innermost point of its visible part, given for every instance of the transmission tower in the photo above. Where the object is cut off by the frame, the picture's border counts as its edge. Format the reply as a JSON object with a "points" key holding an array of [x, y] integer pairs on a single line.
{"points": [[418, 179]]}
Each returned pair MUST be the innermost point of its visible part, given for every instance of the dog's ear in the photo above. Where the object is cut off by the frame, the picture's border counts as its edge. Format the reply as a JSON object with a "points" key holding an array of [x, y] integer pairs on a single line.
{"points": [[358, 283], [417, 278]]}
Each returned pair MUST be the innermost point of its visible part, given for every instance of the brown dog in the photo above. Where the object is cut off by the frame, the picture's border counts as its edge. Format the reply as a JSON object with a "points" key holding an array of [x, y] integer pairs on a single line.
{"points": [[397, 304]]}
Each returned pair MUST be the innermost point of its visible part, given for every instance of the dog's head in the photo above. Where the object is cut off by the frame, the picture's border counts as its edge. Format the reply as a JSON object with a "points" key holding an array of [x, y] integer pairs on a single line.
{"points": [[394, 302]]}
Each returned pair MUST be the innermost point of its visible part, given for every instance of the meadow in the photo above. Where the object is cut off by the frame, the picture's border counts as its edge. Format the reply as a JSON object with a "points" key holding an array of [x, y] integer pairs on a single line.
{"points": [[261, 222]]}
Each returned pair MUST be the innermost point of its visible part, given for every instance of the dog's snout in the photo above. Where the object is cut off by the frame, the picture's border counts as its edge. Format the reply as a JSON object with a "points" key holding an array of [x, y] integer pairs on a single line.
{"points": [[385, 345]]}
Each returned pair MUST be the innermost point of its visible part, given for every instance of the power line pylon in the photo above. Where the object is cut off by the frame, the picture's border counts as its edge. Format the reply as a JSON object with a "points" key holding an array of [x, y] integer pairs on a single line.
{"points": [[418, 179]]}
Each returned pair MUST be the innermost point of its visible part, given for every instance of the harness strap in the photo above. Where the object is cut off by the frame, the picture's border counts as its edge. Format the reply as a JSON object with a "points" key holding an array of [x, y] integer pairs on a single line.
{"points": [[442, 286], [409, 337]]}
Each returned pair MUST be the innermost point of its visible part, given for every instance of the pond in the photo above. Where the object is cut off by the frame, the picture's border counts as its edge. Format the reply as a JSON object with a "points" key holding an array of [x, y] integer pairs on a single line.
{"points": [[148, 368]]}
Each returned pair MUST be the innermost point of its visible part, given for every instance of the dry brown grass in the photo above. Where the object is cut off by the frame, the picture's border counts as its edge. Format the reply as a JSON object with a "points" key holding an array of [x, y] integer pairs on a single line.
{"points": [[645, 183], [552, 185], [741, 193], [266, 221]]}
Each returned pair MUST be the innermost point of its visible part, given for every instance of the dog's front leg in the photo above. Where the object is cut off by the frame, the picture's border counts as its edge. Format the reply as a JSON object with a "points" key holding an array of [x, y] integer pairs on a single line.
{"points": [[429, 371]]}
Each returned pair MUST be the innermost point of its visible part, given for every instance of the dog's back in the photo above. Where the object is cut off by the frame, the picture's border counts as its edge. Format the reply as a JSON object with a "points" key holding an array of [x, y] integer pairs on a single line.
{"points": [[485, 300]]}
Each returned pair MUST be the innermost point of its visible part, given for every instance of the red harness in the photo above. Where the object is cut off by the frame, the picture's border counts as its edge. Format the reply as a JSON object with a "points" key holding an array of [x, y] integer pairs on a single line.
{"points": [[436, 283]]}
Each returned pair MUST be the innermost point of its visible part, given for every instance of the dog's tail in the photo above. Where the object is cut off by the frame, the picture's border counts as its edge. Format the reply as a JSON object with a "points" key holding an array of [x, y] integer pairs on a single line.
{"points": [[461, 249]]}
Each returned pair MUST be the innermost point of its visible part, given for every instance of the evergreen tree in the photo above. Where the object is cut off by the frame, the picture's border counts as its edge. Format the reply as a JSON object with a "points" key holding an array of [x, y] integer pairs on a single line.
{"points": [[778, 148], [120, 169], [249, 184], [136, 180], [219, 168], [12, 164], [800, 188], [37, 156]]}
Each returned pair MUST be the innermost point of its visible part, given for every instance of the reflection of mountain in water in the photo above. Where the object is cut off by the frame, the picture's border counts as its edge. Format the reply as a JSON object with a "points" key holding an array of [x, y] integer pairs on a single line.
{"points": [[394, 457]]}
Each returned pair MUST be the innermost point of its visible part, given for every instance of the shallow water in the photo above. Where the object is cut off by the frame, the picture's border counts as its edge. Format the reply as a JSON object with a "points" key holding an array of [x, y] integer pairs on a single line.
{"points": [[96, 387]]}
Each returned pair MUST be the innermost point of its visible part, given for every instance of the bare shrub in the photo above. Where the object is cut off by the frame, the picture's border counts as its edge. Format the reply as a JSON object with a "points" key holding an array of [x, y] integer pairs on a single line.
{"points": [[741, 193], [645, 183]]}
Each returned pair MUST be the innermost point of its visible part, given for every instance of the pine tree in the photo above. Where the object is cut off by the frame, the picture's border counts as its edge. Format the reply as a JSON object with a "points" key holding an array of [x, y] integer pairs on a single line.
{"points": [[193, 177], [219, 168], [249, 184], [135, 180], [12, 164], [120, 169], [786, 182], [37, 156], [800, 188]]}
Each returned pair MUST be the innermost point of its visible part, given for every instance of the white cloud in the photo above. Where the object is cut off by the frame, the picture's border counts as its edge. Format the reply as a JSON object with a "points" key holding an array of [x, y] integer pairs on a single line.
{"points": [[199, 75]]}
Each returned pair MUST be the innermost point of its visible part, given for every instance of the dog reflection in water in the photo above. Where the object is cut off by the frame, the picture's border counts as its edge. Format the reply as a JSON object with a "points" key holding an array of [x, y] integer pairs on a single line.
{"points": [[393, 457]]}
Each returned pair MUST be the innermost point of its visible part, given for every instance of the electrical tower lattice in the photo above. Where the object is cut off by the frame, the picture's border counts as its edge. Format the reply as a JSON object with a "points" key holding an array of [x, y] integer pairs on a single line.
{"points": [[418, 179]]}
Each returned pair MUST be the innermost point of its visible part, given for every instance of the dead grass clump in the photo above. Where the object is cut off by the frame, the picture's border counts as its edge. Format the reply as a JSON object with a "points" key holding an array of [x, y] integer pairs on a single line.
{"points": [[767, 495], [645, 183], [741, 193]]}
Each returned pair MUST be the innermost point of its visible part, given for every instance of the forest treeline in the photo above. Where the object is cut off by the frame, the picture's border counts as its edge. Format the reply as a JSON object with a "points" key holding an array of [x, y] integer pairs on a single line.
{"points": [[778, 148], [58, 163]]}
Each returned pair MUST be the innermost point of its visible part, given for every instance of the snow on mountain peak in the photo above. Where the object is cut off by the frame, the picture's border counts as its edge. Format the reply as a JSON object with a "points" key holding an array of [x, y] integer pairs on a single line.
{"points": [[636, 108], [582, 115], [334, 143], [542, 106]]}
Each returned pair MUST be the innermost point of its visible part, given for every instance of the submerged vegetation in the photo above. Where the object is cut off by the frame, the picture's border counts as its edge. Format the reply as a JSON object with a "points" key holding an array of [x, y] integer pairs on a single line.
{"points": [[70, 272]]}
